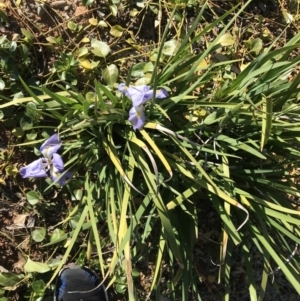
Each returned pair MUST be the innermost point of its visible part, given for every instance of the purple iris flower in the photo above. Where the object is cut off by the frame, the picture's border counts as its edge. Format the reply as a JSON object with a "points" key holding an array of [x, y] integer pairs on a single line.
{"points": [[139, 95], [137, 117], [51, 162]]}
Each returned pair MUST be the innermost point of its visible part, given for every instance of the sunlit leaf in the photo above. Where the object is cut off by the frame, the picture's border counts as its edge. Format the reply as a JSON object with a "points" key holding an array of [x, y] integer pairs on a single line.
{"points": [[82, 51], [93, 21], [116, 31], [138, 69], [32, 197], [57, 234], [111, 74], [226, 40], [27, 34], [256, 45], [85, 63], [114, 10], [11, 170], [170, 47], [87, 2], [38, 234], [52, 40], [2, 84], [100, 48], [35, 266]]}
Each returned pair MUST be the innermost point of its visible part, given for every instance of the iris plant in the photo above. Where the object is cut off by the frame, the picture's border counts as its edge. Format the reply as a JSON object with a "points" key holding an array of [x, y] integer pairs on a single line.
{"points": [[139, 95], [51, 162]]}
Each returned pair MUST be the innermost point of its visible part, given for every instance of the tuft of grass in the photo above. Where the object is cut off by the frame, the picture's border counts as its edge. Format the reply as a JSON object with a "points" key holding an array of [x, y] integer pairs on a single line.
{"points": [[227, 135]]}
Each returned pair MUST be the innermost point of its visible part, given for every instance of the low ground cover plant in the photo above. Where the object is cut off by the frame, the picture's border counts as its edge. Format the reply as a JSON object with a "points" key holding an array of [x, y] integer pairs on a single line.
{"points": [[144, 154]]}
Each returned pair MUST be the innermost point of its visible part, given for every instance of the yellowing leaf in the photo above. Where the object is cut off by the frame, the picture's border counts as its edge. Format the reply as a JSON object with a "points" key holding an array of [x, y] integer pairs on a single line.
{"points": [[85, 64], [11, 170], [211, 279], [114, 10], [256, 45], [116, 31], [244, 66], [195, 115], [227, 40], [133, 12], [103, 24], [202, 64], [85, 40], [93, 21], [190, 117]]}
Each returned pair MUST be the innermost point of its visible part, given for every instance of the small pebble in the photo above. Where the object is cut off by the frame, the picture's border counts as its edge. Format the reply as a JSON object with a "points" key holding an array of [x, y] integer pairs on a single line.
{"points": [[58, 4], [40, 10]]}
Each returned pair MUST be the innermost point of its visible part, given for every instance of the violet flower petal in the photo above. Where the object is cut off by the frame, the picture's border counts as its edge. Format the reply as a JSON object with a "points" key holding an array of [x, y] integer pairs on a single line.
{"points": [[161, 93], [51, 146], [59, 177], [58, 162], [122, 88], [36, 169], [137, 117], [139, 94]]}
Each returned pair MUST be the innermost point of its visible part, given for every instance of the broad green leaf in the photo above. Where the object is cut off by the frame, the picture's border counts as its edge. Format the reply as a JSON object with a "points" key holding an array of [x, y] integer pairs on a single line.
{"points": [[256, 45], [31, 110], [38, 234], [99, 48], [27, 34], [35, 266], [82, 51], [31, 136], [8, 279], [51, 40], [103, 23], [87, 2], [148, 67], [78, 193], [114, 10], [170, 47], [138, 69], [72, 26], [33, 197], [116, 31], [57, 234], [26, 123], [38, 286], [18, 132], [111, 74]]}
